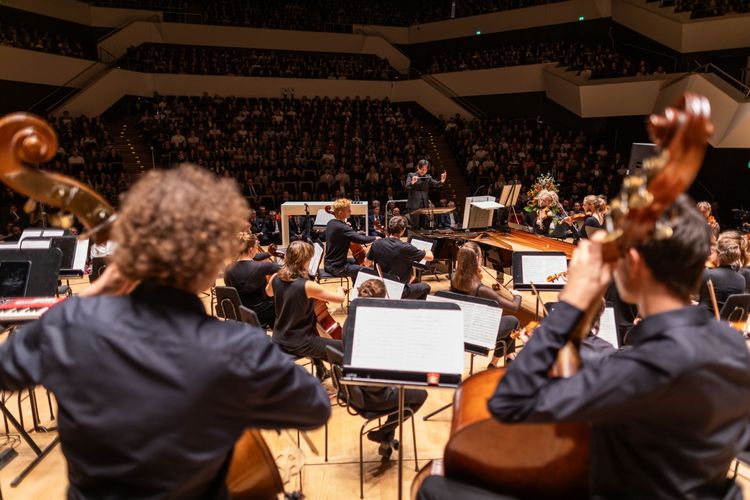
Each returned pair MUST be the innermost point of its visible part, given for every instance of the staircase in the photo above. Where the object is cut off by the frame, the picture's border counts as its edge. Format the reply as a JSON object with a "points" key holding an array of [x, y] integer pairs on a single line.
{"points": [[456, 188], [136, 156]]}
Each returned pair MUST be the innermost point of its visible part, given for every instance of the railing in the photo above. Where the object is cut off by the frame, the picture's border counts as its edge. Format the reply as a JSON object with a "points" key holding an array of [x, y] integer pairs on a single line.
{"points": [[712, 68], [448, 92], [67, 89], [372, 30]]}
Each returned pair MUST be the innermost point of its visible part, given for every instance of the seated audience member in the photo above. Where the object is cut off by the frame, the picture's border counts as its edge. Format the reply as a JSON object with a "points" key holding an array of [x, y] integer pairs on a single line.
{"points": [[153, 392], [272, 228], [450, 220], [293, 291], [467, 280], [384, 398], [397, 257], [248, 276], [725, 278]]}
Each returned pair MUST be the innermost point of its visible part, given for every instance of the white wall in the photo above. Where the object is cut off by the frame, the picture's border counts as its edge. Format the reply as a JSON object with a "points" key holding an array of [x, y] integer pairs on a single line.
{"points": [[32, 66], [227, 36], [510, 80], [117, 83]]}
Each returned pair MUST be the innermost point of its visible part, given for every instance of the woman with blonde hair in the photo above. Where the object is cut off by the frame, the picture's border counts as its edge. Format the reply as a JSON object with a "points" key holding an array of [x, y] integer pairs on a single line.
{"points": [[467, 280], [741, 239], [292, 290], [725, 278]]}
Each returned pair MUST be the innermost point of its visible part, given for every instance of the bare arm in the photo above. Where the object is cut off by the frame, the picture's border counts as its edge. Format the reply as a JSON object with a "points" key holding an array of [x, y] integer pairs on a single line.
{"points": [[316, 291], [269, 288]]}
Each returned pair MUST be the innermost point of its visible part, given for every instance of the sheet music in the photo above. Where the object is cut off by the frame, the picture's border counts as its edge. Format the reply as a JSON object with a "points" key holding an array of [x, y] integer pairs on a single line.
{"points": [[408, 340], [608, 327], [393, 289], [322, 218], [315, 261], [481, 322], [82, 251], [422, 245], [536, 268], [36, 244]]}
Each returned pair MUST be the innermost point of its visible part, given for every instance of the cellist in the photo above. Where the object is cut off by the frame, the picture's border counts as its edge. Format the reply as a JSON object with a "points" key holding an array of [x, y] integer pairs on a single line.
{"points": [[339, 236], [669, 413]]}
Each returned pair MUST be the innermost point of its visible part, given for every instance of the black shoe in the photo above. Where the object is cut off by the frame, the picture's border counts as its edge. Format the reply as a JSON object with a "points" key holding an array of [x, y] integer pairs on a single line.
{"points": [[385, 450]]}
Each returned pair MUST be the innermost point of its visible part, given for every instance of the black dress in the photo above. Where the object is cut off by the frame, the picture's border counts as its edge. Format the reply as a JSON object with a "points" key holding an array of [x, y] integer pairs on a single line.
{"points": [[249, 278]]}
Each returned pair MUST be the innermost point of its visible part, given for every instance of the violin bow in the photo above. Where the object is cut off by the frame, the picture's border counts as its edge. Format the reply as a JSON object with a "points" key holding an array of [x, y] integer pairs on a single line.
{"points": [[712, 293]]}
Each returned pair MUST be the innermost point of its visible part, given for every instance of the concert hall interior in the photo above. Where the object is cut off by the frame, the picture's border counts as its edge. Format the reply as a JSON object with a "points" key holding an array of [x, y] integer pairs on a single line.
{"points": [[339, 249]]}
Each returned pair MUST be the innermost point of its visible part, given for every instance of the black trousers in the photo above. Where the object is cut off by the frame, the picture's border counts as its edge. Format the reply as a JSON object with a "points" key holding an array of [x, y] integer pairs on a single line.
{"points": [[507, 325], [417, 291], [266, 312], [314, 347], [413, 399]]}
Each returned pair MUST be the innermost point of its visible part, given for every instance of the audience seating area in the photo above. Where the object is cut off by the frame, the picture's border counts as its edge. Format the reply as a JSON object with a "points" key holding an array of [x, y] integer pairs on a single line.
{"points": [[707, 8], [497, 151], [162, 58], [281, 149], [31, 38], [589, 62]]}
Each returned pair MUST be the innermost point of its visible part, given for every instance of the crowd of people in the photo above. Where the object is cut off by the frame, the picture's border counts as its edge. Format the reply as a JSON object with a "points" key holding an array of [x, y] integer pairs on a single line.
{"points": [[17, 35], [292, 148], [162, 58], [589, 62], [708, 8], [495, 151]]}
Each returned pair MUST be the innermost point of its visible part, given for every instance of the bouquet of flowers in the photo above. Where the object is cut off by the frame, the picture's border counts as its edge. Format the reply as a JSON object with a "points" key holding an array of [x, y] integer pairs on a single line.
{"points": [[543, 182]]}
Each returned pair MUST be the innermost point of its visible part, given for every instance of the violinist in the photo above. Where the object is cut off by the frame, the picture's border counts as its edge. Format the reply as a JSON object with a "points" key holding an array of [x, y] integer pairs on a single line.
{"points": [[681, 366], [339, 236], [724, 276], [542, 218], [744, 264], [153, 391], [593, 214], [384, 398], [291, 288], [467, 279], [248, 276], [704, 208]]}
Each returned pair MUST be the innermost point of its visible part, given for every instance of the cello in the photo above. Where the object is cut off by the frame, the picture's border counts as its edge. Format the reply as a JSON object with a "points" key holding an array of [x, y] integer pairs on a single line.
{"points": [[357, 249], [26, 139], [552, 460]]}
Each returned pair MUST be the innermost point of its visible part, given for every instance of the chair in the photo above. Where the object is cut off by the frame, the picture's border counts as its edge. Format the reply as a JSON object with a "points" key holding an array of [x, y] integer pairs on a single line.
{"points": [[736, 307], [352, 398], [227, 302], [248, 316]]}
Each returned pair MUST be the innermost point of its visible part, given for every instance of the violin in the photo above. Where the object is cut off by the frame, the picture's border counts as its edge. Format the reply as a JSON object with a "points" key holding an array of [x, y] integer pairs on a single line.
{"points": [[557, 276], [26, 139], [552, 460]]}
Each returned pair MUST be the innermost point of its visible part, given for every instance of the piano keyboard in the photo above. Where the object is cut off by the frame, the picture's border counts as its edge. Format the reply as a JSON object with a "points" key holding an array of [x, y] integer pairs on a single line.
{"points": [[22, 309]]}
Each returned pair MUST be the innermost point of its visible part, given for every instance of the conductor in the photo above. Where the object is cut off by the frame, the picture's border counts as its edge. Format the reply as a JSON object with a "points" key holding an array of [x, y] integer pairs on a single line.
{"points": [[418, 184]]}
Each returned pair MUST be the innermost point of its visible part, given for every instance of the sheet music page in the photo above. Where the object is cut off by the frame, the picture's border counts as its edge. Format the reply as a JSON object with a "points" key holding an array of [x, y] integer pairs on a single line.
{"points": [[315, 261], [422, 245], [536, 268], [481, 322], [393, 289], [82, 251], [608, 327], [410, 340], [322, 218]]}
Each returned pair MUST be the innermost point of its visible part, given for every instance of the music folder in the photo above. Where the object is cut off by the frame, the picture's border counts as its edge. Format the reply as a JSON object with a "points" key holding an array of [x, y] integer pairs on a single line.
{"points": [[481, 320], [412, 342], [536, 268]]}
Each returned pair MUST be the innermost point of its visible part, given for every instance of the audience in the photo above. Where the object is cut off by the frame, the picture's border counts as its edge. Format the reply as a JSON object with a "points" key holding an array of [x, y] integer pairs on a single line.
{"points": [[33, 39], [708, 8], [156, 58], [589, 62]]}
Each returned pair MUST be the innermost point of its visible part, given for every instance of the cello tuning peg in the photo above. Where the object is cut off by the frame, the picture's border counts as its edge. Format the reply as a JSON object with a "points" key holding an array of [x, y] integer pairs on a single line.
{"points": [[64, 221], [29, 206], [662, 231]]}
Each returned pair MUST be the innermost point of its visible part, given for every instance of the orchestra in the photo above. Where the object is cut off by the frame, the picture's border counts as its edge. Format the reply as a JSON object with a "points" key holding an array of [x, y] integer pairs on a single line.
{"points": [[662, 414]]}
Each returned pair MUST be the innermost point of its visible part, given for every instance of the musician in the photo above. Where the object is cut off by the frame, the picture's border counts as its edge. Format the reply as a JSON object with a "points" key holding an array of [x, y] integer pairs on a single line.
{"points": [[248, 276], [681, 366], [467, 280], [376, 222], [726, 280], [704, 208], [449, 220], [383, 398], [543, 216], [744, 263], [295, 324], [418, 184], [154, 392], [339, 235], [397, 257], [593, 207]]}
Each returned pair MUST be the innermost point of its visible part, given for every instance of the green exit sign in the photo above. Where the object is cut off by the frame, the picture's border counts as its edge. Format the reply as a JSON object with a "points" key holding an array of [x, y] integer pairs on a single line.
{"points": [[581, 18]]}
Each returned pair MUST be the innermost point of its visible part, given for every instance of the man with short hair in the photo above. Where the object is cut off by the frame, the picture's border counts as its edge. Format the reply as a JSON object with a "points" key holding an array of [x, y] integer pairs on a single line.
{"points": [[396, 257], [339, 236], [418, 184], [153, 392]]}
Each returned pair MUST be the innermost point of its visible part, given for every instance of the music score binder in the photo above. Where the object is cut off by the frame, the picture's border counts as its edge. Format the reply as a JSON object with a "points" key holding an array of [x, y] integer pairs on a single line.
{"points": [[481, 320], [410, 342], [536, 267]]}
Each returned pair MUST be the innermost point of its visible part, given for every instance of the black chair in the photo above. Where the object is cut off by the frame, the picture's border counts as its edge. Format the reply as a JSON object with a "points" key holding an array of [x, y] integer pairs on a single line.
{"points": [[248, 316], [736, 307], [352, 398], [227, 302]]}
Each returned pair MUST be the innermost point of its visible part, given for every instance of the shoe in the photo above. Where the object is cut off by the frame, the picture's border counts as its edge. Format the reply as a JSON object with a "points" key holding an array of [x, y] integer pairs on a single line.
{"points": [[321, 371], [386, 449]]}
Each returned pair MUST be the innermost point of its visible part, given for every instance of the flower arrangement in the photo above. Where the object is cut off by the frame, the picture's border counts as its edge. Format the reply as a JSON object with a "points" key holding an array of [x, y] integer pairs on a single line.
{"points": [[543, 182]]}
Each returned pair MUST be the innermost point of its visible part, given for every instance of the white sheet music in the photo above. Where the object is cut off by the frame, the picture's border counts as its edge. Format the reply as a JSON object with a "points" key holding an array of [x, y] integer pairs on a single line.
{"points": [[608, 327], [481, 322], [322, 218], [315, 261], [394, 289], [410, 340], [422, 245], [536, 268], [82, 252]]}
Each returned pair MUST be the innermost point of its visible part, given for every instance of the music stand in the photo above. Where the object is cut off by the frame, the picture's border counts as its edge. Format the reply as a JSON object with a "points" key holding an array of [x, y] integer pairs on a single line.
{"points": [[431, 211], [44, 267], [406, 344], [509, 197]]}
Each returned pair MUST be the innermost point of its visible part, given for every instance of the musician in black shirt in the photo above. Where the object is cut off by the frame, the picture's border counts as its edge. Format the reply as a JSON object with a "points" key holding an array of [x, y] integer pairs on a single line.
{"points": [[726, 280], [153, 392], [248, 276], [339, 235], [418, 184], [397, 257]]}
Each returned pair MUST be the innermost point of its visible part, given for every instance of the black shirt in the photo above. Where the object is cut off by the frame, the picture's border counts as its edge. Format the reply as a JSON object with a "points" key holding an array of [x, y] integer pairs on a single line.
{"points": [[249, 278], [153, 393], [668, 413], [726, 282], [338, 236], [295, 315], [395, 257]]}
